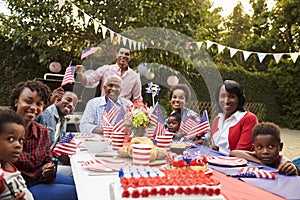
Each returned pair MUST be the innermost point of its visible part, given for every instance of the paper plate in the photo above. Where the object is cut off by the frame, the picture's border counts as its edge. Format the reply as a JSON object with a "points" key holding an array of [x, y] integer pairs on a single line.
{"points": [[104, 165], [227, 161], [84, 135]]}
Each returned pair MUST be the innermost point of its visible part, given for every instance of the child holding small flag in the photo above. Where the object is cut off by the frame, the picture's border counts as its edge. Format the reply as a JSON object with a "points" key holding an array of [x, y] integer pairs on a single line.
{"points": [[267, 145]]}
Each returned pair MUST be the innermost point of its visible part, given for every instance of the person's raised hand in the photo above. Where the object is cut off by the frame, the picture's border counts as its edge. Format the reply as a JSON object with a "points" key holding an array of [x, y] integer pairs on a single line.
{"points": [[79, 69], [57, 95]]}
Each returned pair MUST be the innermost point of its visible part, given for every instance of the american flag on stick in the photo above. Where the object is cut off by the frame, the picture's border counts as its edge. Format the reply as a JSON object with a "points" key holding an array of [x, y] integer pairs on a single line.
{"points": [[69, 75], [157, 120], [187, 123], [201, 127], [120, 122], [88, 51], [66, 146], [111, 110]]}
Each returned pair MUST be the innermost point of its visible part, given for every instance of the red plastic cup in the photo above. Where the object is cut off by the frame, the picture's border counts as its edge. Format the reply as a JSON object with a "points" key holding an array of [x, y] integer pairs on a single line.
{"points": [[107, 131]]}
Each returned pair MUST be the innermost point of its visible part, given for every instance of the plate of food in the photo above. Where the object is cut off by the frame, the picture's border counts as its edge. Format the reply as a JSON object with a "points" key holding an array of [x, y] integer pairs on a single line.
{"points": [[227, 161]]}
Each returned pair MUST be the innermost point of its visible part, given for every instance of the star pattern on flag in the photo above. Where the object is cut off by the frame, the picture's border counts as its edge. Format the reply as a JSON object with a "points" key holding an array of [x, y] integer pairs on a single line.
{"points": [[187, 123], [89, 51], [66, 146], [119, 125], [201, 127], [255, 172], [111, 110]]}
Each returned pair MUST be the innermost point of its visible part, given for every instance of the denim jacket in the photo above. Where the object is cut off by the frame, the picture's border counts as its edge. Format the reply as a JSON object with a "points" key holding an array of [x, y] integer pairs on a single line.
{"points": [[49, 118]]}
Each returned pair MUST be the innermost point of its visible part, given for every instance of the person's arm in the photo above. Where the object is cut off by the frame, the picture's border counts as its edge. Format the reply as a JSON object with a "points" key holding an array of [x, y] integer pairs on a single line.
{"points": [[79, 71], [90, 117], [245, 140], [248, 155]]}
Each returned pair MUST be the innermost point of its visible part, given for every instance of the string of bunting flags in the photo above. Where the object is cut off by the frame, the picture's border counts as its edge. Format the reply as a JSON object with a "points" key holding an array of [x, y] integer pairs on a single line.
{"points": [[136, 45]]}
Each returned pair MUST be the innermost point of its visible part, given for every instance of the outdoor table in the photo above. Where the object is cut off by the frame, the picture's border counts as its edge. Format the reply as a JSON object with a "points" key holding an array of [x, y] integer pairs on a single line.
{"points": [[96, 185]]}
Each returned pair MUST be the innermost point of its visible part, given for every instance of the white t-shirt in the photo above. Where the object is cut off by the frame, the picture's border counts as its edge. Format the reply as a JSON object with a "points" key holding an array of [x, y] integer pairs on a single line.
{"points": [[16, 182]]}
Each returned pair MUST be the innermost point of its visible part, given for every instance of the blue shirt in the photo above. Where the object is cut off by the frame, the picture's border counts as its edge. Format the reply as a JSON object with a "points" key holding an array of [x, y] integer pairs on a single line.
{"points": [[93, 113]]}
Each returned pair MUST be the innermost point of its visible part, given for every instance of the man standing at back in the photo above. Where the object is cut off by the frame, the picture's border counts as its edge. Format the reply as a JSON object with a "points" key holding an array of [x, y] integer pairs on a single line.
{"points": [[131, 81]]}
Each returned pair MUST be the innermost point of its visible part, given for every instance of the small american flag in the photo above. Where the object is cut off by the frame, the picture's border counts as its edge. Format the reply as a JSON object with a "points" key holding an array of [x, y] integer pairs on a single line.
{"points": [[157, 120], [201, 127], [66, 146], [69, 76], [120, 122], [111, 110], [187, 123], [255, 172], [88, 51]]}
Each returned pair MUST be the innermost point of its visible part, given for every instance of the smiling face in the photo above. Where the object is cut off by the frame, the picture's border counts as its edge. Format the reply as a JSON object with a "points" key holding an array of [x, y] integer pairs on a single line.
{"points": [[178, 100], [67, 104], [267, 149], [228, 102], [123, 58], [112, 90], [11, 141], [29, 105]]}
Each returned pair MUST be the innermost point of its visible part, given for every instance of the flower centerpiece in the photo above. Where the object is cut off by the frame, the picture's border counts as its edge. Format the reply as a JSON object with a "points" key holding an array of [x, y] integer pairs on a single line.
{"points": [[137, 118]]}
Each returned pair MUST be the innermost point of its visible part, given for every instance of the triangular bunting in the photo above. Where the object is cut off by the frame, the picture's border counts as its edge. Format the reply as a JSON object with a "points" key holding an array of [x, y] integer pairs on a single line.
{"points": [[199, 44], [96, 26], [232, 52], [294, 56], [86, 20], [134, 44], [220, 48], [277, 56], [119, 38], [112, 35], [246, 54], [74, 11], [124, 39], [261, 56], [130, 43], [61, 3], [104, 29], [209, 44]]}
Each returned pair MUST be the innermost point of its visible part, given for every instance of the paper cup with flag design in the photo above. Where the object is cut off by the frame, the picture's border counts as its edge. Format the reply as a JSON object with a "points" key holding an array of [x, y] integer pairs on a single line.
{"points": [[107, 131], [164, 141], [117, 140], [141, 154]]}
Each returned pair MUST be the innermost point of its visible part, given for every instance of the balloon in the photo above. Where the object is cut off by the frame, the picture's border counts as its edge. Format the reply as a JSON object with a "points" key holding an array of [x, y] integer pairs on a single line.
{"points": [[87, 72], [55, 67], [172, 80], [142, 69], [150, 75]]}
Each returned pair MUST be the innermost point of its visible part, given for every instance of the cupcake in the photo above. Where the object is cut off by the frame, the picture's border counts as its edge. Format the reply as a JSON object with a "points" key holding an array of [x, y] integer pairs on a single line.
{"points": [[199, 163], [179, 163]]}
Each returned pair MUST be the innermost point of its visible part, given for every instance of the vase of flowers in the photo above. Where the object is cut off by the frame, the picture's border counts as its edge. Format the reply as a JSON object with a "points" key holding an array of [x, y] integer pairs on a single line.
{"points": [[137, 119]]}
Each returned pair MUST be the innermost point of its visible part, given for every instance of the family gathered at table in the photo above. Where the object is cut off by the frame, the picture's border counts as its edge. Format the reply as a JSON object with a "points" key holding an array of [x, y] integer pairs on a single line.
{"points": [[30, 131]]}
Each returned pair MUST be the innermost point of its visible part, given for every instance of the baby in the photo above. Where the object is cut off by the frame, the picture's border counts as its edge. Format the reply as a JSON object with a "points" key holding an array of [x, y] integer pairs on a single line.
{"points": [[12, 136], [174, 124], [267, 145]]}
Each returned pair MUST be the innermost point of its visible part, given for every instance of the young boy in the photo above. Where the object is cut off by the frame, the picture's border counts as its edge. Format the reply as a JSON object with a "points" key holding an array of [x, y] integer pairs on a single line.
{"points": [[12, 136], [267, 145], [174, 124]]}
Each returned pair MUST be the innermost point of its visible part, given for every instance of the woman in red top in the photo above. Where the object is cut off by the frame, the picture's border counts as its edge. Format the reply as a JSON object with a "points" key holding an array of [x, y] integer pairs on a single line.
{"points": [[232, 127]]}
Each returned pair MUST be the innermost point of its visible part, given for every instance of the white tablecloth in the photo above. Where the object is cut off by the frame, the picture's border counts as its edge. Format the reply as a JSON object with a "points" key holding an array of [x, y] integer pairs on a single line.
{"points": [[90, 186]]}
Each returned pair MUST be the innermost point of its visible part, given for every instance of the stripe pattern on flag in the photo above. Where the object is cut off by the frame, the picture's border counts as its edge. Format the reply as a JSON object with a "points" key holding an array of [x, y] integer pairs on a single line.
{"points": [[111, 110], [255, 172], [157, 121], [120, 122], [89, 51], [187, 123], [69, 75], [66, 146], [201, 127]]}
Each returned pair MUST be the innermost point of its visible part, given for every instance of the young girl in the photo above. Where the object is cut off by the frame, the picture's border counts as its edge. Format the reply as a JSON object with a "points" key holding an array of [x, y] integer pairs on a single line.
{"points": [[267, 145], [12, 135]]}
